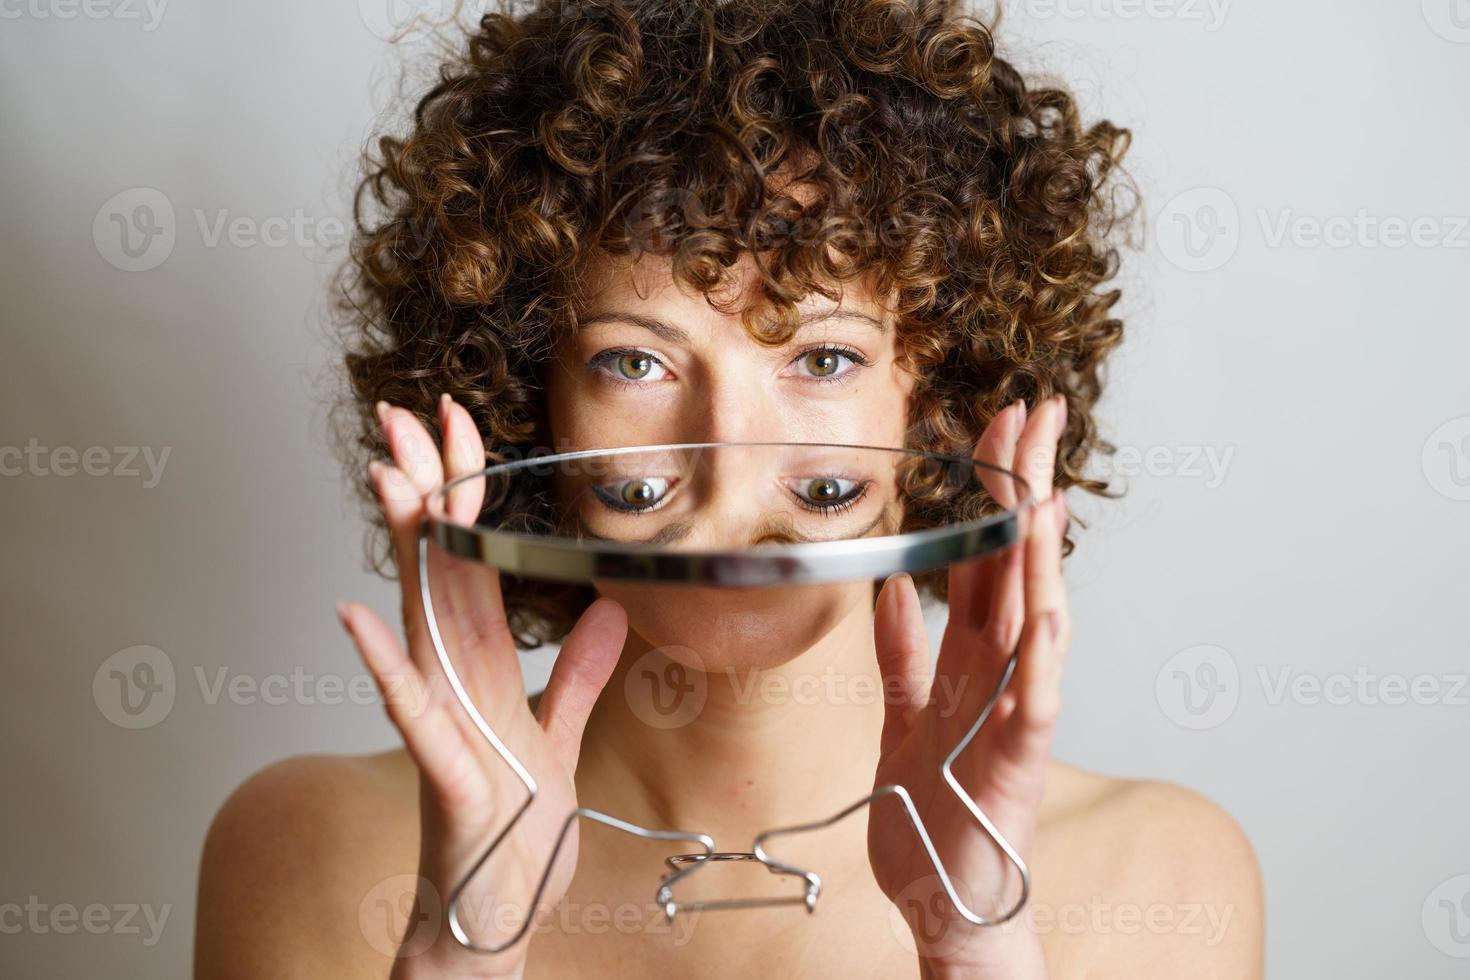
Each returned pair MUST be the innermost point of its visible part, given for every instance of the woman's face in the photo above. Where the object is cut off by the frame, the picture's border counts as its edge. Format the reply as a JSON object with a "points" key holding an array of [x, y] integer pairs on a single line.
{"points": [[655, 364]]}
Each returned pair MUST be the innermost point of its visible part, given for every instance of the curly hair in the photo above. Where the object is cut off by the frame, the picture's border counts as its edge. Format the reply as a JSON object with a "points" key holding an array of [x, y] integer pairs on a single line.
{"points": [[982, 204]]}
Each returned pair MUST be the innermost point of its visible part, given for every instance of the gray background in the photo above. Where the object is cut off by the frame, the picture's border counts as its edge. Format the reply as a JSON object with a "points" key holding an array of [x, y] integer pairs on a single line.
{"points": [[1326, 373]]}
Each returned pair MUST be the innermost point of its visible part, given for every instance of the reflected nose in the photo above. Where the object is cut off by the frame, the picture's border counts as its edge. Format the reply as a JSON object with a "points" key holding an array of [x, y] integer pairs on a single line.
{"points": [[743, 503]]}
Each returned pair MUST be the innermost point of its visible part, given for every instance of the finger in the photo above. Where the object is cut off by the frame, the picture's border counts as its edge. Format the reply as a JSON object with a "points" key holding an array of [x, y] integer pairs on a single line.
{"points": [[903, 657], [972, 655], [412, 448], [403, 512], [433, 738], [997, 448], [971, 583], [414, 472], [996, 605], [1044, 586], [985, 595], [401, 486], [586, 660], [468, 591], [464, 454], [997, 595], [1031, 723], [1036, 451], [1043, 644], [1032, 582], [470, 612]]}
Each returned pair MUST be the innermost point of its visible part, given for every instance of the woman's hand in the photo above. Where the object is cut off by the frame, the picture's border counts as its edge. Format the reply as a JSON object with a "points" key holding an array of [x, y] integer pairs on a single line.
{"points": [[467, 791], [994, 603]]}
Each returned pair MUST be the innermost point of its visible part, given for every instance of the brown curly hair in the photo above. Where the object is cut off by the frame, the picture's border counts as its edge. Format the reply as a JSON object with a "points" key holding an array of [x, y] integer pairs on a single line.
{"points": [[982, 204]]}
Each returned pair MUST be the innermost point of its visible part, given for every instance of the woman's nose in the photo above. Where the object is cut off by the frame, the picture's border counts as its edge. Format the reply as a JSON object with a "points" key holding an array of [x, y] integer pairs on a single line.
{"points": [[731, 409]]}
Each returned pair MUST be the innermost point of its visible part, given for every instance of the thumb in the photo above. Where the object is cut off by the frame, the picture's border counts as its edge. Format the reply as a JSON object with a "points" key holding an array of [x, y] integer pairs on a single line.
{"points": [[903, 657], [587, 658]]}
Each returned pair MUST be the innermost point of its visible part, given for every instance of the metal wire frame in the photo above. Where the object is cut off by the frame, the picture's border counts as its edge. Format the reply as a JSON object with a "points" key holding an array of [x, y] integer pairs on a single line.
{"points": [[934, 547]]}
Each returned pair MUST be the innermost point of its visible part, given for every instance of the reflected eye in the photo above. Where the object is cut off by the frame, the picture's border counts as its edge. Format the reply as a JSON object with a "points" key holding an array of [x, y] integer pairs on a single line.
{"points": [[829, 493], [644, 493], [629, 366], [828, 363]]}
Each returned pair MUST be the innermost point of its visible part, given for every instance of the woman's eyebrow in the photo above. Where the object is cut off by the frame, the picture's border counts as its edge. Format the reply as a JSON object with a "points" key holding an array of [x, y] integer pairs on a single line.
{"points": [[677, 335], [817, 316], [660, 328]]}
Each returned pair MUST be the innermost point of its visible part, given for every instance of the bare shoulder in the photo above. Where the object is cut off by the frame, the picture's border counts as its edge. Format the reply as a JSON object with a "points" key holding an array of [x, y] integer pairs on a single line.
{"points": [[1149, 875], [294, 856]]}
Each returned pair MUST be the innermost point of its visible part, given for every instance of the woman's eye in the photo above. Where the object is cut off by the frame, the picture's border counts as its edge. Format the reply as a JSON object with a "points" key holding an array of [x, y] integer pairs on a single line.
{"points": [[644, 493], [826, 492], [635, 366], [631, 366], [826, 362]]}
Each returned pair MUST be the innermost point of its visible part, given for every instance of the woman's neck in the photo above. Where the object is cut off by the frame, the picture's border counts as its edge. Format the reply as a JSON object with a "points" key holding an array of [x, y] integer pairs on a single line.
{"points": [[734, 751]]}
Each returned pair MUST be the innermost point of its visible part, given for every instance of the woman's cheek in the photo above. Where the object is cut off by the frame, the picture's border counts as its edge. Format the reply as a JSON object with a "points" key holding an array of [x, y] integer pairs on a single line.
{"points": [[615, 415], [868, 411]]}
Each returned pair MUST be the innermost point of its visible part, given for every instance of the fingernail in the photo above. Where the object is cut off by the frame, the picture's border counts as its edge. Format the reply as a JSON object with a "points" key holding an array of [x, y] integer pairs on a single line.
{"points": [[342, 612], [1062, 415], [891, 586], [1017, 409], [381, 410], [1053, 624], [444, 402]]}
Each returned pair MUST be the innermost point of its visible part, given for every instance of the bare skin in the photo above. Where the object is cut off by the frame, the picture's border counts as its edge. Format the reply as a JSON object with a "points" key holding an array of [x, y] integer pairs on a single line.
{"points": [[1130, 878]]}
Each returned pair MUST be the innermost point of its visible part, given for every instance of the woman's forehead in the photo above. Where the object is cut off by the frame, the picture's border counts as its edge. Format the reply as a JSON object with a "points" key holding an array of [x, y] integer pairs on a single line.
{"points": [[649, 281]]}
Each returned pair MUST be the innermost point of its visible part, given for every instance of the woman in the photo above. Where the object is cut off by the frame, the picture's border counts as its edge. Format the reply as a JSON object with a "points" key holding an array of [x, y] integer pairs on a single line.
{"points": [[643, 222]]}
